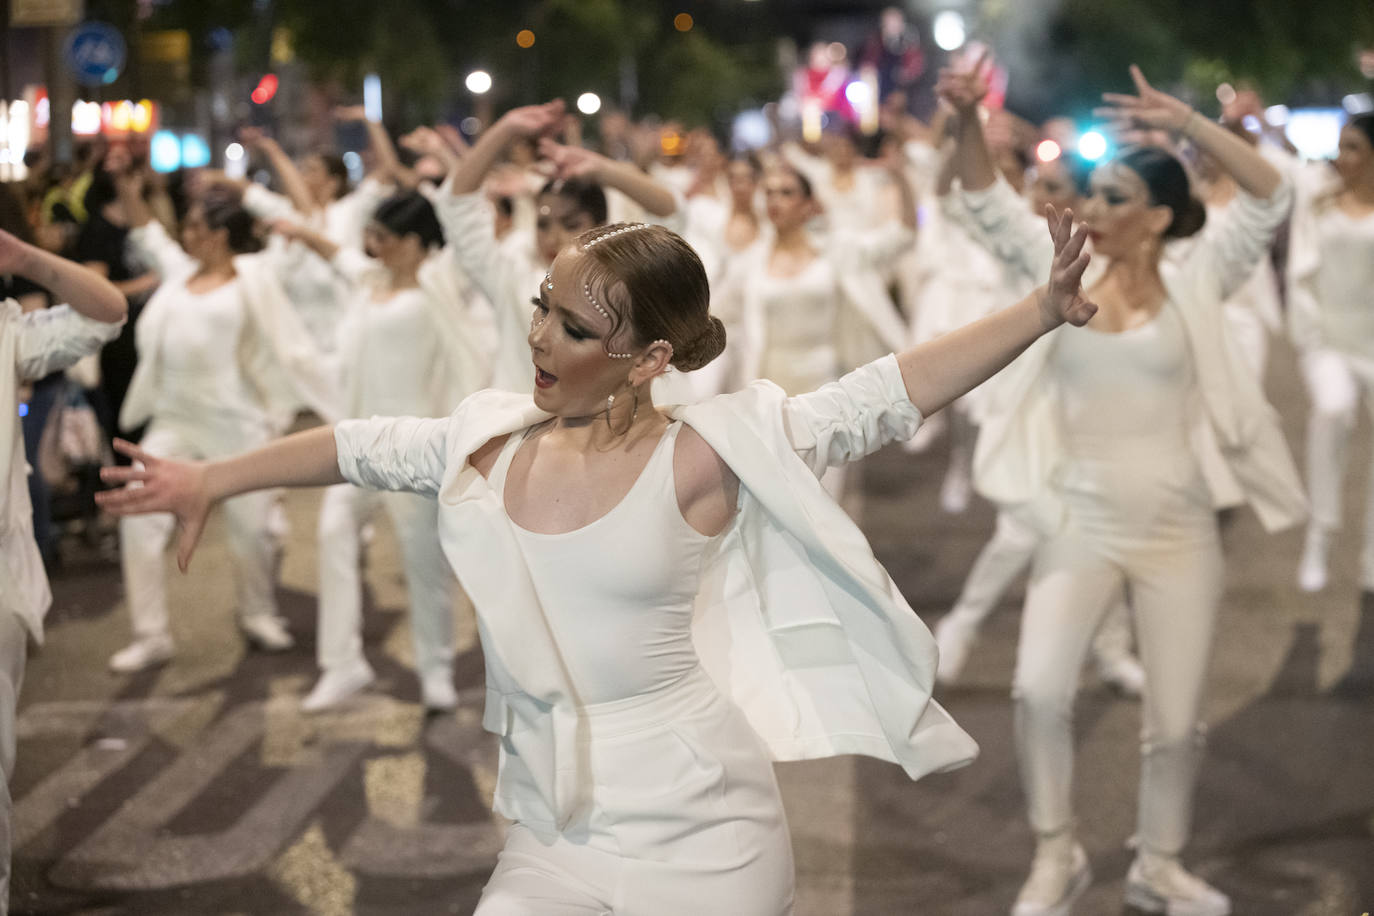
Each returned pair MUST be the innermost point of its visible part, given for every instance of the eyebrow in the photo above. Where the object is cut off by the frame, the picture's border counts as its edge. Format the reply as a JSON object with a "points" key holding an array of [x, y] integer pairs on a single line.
{"points": [[572, 317]]}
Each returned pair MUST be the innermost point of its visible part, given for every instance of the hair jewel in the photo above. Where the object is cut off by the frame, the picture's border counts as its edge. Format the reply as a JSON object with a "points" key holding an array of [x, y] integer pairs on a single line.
{"points": [[548, 282], [587, 291], [628, 227]]}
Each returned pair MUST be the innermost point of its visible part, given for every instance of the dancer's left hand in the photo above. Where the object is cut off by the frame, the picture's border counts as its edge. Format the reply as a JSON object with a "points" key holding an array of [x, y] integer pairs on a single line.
{"points": [[155, 484], [1148, 109], [1063, 299]]}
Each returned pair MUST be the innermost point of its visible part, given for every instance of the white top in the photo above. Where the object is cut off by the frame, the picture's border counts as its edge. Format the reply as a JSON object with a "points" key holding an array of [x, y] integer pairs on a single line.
{"points": [[1345, 279], [400, 355], [1117, 388], [619, 591], [799, 326], [31, 346]]}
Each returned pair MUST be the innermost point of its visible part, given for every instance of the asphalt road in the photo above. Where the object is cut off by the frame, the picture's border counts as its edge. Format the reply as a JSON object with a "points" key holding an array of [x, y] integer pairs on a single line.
{"points": [[200, 788]]}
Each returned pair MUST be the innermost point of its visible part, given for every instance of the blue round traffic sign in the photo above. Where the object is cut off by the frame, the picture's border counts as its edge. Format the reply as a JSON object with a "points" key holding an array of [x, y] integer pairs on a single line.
{"points": [[95, 53]]}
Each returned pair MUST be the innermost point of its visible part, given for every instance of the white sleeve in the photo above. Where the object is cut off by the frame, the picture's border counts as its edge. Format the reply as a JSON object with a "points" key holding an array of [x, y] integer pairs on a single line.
{"points": [[157, 248], [268, 205], [1231, 246], [854, 416], [1010, 231], [56, 338], [471, 238], [393, 453]]}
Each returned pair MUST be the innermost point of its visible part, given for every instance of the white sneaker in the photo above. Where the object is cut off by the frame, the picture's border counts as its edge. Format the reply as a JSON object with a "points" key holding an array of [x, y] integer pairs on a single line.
{"points": [[266, 632], [955, 491], [1056, 880], [436, 691], [1122, 673], [337, 685], [954, 637], [1312, 567], [1158, 884], [143, 653]]}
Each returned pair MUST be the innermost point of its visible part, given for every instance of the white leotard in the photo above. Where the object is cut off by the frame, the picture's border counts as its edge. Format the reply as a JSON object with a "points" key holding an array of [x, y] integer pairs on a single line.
{"points": [[619, 591]]}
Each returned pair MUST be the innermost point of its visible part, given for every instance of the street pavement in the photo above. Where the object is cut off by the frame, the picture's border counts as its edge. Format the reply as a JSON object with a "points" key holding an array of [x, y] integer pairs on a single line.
{"points": [[200, 788]]}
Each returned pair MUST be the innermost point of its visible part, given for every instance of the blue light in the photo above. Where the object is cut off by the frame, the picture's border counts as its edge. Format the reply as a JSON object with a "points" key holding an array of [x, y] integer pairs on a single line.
{"points": [[23, 410], [165, 152], [195, 152], [1092, 146]]}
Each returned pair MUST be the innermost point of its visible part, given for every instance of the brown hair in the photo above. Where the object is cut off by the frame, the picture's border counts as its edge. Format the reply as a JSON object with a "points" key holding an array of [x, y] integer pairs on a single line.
{"points": [[654, 282]]}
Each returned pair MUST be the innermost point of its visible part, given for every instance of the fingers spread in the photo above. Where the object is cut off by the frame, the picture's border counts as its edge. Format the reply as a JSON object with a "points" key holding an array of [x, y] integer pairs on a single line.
{"points": [[123, 474], [1138, 77]]}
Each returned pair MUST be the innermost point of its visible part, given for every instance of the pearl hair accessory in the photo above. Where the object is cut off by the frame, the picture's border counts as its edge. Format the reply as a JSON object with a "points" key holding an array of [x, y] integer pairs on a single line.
{"points": [[587, 291], [628, 227], [548, 282]]}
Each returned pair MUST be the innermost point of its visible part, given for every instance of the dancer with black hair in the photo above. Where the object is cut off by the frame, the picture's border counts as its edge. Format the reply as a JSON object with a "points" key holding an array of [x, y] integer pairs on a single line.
{"points": [[1331, 318], [412, 342], [1094, 436], [221, 357]]}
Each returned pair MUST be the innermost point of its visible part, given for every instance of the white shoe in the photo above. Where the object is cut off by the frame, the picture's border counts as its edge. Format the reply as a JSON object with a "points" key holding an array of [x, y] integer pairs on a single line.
{"points": [[143, 653], [1312, 567], [954, 637], [436, 691], [955, 491], [1056, 880], [266, 632], [1158, 884], [1122, 673], [337, 685]]}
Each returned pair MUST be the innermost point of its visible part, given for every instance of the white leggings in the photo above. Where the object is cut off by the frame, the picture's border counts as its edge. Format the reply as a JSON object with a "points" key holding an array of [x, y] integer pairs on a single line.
{"points": [[14, 647], [1174, 586], [429, 578], [1004, 557], [685, 819], [253, 534], [1334, 389]]}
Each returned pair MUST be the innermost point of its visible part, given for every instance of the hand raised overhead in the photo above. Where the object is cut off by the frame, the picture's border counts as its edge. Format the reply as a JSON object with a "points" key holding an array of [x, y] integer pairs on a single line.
{"points": [[1063, 299]]}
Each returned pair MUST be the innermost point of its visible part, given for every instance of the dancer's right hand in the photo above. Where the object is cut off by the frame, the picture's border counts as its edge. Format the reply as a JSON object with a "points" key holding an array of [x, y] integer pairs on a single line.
{"points": [[160, 485], [533, 120], [1064, 299], [964, 89]]}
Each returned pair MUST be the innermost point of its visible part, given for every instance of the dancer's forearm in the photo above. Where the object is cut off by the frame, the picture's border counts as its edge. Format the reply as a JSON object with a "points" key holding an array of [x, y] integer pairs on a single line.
{"points": [[306, 459]]}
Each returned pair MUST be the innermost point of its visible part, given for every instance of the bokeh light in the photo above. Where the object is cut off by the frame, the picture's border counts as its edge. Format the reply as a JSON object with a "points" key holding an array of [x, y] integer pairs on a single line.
{"points": [[1048, 151], [1092, 146], [524, 38], [949, 30], [589, 103], [683, 22], [478, 82]]}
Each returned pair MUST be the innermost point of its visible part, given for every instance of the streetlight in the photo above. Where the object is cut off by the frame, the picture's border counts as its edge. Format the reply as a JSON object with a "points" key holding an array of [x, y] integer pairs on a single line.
{"points": [[478, 82], [589, 103], [949, 31]]}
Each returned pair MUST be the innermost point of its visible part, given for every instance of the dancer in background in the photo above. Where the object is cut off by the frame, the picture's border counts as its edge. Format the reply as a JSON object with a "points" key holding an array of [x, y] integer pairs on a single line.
{"points": [[1331, 318], [221, 358], [33, 344], [568, 205], [413, 343], [593, 531], [1093, 435]]}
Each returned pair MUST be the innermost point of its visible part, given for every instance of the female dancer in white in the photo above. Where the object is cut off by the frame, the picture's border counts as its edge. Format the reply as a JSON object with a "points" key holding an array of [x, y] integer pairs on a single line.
{"points": [[568, 205], [410, 344], [32, 345], [1093, 436], [586, 524], [1331, 317], [221, 356], [788, 296]]}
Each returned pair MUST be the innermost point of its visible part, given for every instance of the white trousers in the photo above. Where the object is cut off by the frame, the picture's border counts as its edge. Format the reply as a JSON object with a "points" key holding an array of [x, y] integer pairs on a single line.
{"points": [[1174, 585], [685, 819], [430, 582], [1004, 557], [14, 648], [253, 534], [1334, 389]]}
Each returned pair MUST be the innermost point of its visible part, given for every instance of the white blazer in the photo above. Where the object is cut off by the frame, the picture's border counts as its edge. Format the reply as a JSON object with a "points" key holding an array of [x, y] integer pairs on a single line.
{"points": [[796, 619]]}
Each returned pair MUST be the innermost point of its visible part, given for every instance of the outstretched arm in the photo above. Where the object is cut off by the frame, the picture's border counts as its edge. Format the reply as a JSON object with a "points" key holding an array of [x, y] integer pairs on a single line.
{"points": [[576, 162], [84, 290], [291, 179], [190, 489], [528, 121], [964, 90], [941, 370], [1150, 109]]}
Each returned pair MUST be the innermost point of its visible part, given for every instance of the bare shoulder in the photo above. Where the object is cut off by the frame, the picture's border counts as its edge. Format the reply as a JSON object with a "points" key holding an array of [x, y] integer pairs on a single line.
{"points": [[484, 459], [707, 490]]}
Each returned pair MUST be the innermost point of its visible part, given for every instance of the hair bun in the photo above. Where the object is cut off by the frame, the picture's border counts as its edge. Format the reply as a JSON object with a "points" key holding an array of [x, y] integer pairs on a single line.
{"points": [[705, 347], [1189, 221]]}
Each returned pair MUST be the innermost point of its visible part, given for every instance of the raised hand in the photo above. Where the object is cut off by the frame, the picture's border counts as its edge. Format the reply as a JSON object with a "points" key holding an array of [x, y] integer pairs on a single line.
{"points": [[159, 485], [1063, 299], [534, 120], [964, 89], [254, 137], [1148, 109], [424, 141], [570, 161]]}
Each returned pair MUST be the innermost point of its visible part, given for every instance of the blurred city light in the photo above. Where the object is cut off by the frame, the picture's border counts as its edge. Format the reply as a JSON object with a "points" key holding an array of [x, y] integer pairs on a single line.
{"points": [[86, 118], [470, 126], [164, 153], [1048, 151], [478, 82], [233, 152], [195, 152], [372, 98], [859, 93], [750, 130], [1276, 115], [266, 88], [1316, 132], [524, 38], [589, 103], [1092, 146], [1358, 104], [949, 31], [354, 163], [683, 22], [1226, 93]]}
